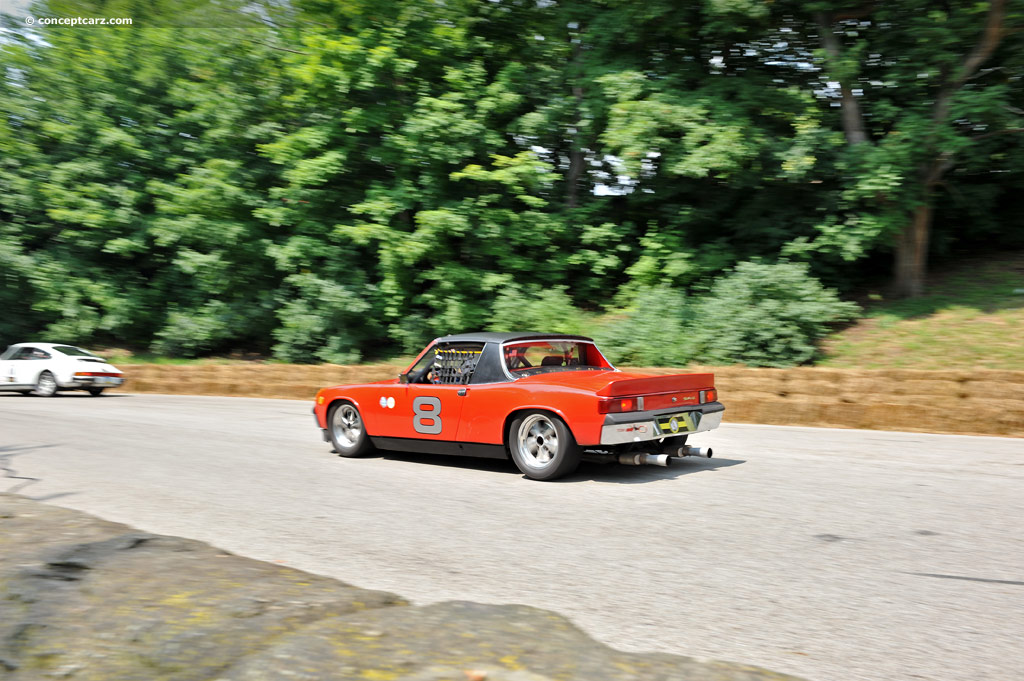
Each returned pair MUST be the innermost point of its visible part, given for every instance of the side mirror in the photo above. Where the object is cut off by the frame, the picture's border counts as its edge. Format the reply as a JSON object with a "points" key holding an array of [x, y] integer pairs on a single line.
{"points": [[403, 378]]}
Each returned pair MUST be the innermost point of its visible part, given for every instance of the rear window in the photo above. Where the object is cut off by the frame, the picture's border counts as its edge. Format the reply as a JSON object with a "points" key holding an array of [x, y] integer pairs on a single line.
{"points": [[526, 358], [72, 351]]}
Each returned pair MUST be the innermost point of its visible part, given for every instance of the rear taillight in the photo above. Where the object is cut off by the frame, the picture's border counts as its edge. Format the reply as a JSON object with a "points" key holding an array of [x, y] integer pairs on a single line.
{"points": [[710, 395], [95, 373], [620, 404]]}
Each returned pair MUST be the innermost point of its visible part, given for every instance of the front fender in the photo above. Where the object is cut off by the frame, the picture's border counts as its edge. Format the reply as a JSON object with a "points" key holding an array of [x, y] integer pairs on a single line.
{"points": [[325, 398]]}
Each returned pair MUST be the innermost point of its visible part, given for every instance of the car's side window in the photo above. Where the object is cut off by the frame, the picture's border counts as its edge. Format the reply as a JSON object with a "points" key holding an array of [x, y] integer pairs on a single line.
{"points": [[446, 364], [454, 364], [420, 372], [25, 353]]}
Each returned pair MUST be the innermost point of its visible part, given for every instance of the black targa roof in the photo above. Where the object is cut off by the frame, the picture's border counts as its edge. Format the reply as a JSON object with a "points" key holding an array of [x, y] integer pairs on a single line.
{"points": [[495, 337]]}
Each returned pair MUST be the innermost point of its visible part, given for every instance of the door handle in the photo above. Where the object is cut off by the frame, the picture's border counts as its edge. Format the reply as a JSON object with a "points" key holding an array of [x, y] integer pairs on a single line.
{"points": [[462, 391]]}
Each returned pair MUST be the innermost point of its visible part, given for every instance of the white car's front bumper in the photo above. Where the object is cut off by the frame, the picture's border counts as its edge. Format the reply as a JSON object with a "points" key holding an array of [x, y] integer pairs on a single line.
{"points": [[94, 382]]}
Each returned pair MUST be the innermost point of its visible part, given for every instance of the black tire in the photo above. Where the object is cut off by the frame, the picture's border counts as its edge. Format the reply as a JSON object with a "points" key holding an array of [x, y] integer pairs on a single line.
{"points": [[346, 430], [542, 446], [96, 392], [46, 385]]}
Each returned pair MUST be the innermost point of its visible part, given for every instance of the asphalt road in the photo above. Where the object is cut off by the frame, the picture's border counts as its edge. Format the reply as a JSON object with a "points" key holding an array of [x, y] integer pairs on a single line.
{"points": [[831, 554]]}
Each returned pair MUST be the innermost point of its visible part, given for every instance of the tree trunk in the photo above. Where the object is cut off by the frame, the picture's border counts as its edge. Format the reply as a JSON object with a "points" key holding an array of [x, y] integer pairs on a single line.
{"points": [[853, 120], [576, 159], [911, 262], [912, 243]]}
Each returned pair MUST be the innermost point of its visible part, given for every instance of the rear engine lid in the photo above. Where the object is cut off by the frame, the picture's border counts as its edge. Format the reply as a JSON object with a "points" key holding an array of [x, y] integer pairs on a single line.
{"points": [[679, 384], [94, 366]]}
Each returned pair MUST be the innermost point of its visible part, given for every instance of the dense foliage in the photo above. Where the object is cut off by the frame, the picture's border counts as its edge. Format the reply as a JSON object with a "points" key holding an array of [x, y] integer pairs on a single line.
{"points": [[328, 180]]}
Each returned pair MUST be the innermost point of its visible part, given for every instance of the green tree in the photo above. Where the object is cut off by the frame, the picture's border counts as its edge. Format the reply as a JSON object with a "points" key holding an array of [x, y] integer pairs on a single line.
{"points": [[922, 88], [132, 173], [416, 177], [332, 179]]}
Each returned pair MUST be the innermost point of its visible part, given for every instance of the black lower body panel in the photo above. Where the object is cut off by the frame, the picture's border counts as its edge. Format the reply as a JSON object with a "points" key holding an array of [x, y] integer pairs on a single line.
{"points": [[404, 444]]}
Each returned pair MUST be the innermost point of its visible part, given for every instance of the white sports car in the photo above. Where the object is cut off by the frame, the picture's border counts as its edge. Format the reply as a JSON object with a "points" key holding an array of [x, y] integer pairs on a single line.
{"points": [[44, 368]]}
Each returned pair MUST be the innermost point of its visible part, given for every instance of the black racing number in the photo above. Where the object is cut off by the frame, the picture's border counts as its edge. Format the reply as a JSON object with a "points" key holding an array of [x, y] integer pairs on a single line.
{"points": [[426, 421]]}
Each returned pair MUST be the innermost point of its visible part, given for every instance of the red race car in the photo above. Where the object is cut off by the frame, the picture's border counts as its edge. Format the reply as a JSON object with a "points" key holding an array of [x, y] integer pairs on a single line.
{"points": [[546, 400]]}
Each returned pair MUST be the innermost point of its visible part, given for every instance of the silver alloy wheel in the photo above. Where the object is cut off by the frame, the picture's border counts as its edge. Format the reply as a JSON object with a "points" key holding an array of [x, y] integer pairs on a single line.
{"points": [[46, 385], [537, 441], [346, 425]]}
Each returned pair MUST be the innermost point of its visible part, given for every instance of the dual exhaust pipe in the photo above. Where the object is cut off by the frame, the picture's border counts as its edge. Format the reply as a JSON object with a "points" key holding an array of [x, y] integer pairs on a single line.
{"points": [[643, 459]]}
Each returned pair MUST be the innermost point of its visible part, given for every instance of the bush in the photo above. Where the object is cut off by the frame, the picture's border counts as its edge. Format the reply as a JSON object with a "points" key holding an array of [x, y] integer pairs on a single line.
{"points": [[534, 309], [768, 315], [323, 321], [195, 332], [651, 332]]}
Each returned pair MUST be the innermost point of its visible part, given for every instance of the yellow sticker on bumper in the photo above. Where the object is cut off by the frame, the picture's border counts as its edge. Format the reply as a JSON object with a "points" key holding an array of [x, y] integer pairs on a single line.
{"points": [[679, 423]]}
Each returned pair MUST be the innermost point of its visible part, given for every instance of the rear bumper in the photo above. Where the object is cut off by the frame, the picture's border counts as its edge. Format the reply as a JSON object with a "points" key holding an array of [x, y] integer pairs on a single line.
{"points": [[640, 426]]}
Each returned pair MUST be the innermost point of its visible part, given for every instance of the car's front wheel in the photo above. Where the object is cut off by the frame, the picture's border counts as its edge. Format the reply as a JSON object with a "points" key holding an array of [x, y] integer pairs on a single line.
{"points": [[346, 430], [46, 385], [542, 446]]}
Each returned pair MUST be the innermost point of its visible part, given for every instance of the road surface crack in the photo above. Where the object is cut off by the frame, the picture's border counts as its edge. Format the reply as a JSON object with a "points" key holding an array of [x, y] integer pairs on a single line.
{"points": [[6, 454]]}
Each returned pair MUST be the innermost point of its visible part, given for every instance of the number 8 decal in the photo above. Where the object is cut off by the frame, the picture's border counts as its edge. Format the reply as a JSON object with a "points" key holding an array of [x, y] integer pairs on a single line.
{"points": [[432, 415]]}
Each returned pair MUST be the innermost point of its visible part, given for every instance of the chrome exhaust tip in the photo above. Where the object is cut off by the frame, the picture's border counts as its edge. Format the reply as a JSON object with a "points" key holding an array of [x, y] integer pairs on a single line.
{"points": [[645, 459], [705, 452]]}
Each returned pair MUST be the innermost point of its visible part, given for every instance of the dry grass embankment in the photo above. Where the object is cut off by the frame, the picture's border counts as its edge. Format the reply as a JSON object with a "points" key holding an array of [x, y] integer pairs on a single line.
{"points": [[284, 381], [971, 317], [981, 402], [984, 402]]}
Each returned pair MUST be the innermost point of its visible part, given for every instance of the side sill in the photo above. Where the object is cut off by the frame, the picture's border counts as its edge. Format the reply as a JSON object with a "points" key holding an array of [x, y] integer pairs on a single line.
{"points": [[405, 444]]}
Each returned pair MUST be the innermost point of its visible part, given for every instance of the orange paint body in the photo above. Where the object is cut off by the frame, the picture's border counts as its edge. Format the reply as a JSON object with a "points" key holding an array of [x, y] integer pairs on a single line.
{"points": [[481, 412]]}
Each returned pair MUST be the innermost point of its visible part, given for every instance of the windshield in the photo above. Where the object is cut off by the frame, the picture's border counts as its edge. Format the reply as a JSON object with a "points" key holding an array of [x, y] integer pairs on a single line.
{"points": [[72, 351], [526, 358]]}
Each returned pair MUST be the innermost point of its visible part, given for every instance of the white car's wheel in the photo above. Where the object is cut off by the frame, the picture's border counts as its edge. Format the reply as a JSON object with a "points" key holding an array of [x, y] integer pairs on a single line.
{"points": [[46, 385], [96, 392]]}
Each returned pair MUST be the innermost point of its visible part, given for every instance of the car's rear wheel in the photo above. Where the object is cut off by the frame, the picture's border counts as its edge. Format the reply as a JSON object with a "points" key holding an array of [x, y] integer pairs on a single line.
{"points": [[346, 430], [542, 446], [96, 392], [46, 385]]}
